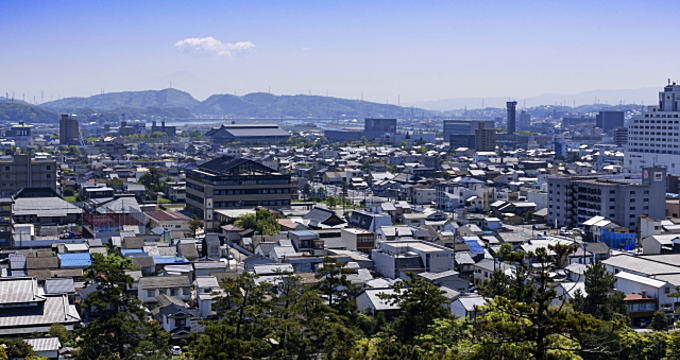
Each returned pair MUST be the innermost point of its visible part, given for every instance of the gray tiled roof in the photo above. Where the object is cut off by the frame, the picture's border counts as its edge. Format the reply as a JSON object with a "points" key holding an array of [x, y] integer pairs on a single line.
{"points": [[55, 309], [44, 207], [59, 286], [19, 290], [161, 282], [44, 344]]}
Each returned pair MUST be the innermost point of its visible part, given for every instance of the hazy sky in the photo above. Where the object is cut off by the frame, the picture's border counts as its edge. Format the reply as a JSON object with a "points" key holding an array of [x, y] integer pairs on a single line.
{"points": [[414, 50]]}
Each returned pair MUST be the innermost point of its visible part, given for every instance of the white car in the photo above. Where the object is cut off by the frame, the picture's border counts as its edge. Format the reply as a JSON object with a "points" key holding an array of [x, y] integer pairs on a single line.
{"points": [[175, 350]]}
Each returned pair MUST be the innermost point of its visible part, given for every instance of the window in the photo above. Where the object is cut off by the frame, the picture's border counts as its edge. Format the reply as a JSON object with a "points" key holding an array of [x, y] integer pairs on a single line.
{"points": [[151, 293], [173, 292], [180, 322]]}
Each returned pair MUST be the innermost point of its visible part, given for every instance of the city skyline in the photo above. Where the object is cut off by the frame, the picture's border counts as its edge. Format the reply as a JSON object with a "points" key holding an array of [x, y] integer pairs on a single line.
{"points": [[391, 52]]}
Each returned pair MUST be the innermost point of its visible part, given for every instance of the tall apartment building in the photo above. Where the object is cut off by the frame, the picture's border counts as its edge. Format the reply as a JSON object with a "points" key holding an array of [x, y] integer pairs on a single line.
{"points": [[621, 136], [609, 120], [464, 133], [6, 223], [23, 171], [654, 136], [524, 121], [512, 116], [69, 130], [231, 183], [619, 198]]}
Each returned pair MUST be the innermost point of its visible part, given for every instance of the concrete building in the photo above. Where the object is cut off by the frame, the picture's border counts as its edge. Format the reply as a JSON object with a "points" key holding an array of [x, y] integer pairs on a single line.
{"points": [[524, 121], [609, 120], [393, 259], [476, 134], [654, 137], [23, 171], [621, 136], [512, 116], [69, 130], [21, 134], [619, 198], [169, 131], [379, 128], [231, 183], [248, 134], [6, 223]]}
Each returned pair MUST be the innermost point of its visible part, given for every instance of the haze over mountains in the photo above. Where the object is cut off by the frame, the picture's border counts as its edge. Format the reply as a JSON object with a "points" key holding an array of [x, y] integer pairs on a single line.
{"points": [[177, 104], [261, 105], [647, 95]]}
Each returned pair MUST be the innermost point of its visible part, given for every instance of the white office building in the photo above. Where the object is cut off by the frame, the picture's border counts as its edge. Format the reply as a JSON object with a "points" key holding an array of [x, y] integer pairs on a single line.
{"points": [[654, 136]]}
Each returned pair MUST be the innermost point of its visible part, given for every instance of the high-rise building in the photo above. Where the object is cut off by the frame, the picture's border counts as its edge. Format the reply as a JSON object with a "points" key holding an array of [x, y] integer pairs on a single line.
{"points": [[609, 120], [69, 130], [378, 128], [654, 136], [485, 139], [621, 136], [21, 171], [524, 122], [619, 198], [463, 133], [512, 116], [232, 183]]}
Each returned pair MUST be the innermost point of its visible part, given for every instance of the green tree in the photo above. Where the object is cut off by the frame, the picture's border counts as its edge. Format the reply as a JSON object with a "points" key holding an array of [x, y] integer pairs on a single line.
{"points": [[334, 286], [243, 330], [600, 300], [420, 303], [119, 328], [62, 333], [659, 321], [17, 348], [194, 225], [521, 319], [307, 190], [264, 222]]}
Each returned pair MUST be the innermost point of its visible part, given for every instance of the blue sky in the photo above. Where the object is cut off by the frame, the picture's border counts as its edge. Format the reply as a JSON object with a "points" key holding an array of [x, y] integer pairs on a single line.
{"points": [[387, 50]]}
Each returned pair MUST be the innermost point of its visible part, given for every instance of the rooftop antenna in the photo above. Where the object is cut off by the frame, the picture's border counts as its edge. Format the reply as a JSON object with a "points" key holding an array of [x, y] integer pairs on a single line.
{"points": [[362, 96], [398, 99], [269, 89], [42, 96]]}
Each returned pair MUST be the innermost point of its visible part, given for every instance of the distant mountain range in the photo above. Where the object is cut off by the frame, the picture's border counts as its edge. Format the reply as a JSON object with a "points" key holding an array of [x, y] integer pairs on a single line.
{"points": [[176, 103], [648, 96], [17, 110]]}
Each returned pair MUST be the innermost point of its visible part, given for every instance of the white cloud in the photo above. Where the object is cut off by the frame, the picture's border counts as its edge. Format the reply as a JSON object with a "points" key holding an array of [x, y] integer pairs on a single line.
{"points": [[210, 45]]}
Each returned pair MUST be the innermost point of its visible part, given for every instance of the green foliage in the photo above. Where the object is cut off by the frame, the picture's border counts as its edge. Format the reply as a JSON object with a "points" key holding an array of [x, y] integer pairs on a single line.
{"points": [[194, 225], [16, 348], [154, 182], [601, 300], [659, 321], [119, 328], [115, 183], [62, 333], [262, 221], [421, 302]]}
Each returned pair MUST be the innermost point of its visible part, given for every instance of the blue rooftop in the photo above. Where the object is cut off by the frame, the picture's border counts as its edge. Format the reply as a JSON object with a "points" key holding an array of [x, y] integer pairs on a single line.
{"points": [[474, 246], [165, 260], [75, 260], [304, 233], [128, 252]]}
